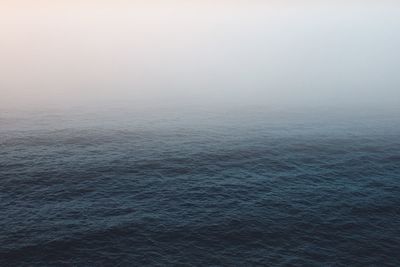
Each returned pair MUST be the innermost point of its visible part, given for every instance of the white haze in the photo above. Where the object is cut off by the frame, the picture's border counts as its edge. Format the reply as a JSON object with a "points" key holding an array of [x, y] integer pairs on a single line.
{"points": [[289, 55]]}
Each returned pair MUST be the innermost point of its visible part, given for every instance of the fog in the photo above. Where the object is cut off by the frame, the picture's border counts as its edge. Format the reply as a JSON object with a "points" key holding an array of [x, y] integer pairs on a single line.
{"points": [[292, 54]]}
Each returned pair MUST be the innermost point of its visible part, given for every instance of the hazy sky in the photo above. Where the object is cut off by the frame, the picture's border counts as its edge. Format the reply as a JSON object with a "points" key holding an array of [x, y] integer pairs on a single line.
{"points": [[273, 53]]}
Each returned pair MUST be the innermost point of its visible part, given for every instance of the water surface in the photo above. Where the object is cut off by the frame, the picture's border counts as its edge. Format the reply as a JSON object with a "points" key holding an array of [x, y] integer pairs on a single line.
{"points": [[232, 188]]}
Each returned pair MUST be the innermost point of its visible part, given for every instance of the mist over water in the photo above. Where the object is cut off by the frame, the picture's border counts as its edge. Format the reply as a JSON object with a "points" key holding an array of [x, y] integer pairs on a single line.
{"points": [[188, 134]]}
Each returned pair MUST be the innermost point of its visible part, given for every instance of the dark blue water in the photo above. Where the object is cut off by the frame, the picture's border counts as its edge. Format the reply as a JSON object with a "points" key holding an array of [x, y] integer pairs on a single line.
{"points": [[214, 189]]}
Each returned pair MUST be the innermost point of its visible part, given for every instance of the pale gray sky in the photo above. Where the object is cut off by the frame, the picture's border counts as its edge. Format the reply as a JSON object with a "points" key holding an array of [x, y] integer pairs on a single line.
{"points": [[288, 54]]}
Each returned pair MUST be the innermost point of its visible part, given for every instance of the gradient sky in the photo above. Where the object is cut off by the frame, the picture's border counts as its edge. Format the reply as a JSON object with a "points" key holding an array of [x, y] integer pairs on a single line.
{"points": [[273, 53]]}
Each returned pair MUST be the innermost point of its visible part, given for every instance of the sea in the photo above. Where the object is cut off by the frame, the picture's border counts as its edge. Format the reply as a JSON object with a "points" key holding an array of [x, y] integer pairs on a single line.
{"points": [[199, 187]]}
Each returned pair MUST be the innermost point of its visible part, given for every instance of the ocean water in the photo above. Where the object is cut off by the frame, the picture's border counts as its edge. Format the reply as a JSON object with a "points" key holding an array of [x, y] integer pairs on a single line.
{"points": [[237, 188]]}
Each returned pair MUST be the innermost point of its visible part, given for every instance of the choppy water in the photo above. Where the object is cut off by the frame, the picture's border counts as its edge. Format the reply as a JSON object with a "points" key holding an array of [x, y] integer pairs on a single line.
{"points": [[199, 190]]}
